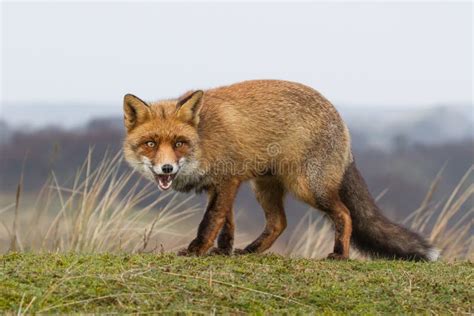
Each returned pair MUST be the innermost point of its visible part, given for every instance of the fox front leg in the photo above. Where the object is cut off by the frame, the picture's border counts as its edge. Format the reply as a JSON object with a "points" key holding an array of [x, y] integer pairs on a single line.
{"points": [[225, 241], [219, 206]]}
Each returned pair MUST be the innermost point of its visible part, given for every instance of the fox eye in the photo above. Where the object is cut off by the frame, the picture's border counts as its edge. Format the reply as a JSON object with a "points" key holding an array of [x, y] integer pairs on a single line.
{"points": [[151, 144], [178, 144]]}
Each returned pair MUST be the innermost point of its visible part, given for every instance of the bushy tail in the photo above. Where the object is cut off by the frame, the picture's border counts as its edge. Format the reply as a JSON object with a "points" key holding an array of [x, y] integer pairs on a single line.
{"points": [[373, 233]]}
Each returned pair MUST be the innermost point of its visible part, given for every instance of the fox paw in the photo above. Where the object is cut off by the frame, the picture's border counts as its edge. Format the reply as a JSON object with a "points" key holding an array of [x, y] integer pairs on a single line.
{"points": [[239, 252], [337, 256], [216, 251], [184, 252]]}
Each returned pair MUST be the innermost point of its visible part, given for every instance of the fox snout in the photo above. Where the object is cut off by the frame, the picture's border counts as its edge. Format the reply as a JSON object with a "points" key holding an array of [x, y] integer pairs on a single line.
{"points": [[163, 172], [166, 168]]}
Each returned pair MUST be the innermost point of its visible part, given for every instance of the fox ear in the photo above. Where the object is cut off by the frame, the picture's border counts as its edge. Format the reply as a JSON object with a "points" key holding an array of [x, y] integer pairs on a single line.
{"points": [[189, 106], [135, 111]]}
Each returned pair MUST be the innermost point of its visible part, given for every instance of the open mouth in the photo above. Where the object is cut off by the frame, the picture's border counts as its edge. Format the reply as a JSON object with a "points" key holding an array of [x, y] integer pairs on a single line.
{"points": [[164, 181]]}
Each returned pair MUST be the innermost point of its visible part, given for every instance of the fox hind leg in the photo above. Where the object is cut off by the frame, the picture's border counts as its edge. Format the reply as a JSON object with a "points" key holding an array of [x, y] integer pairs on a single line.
{"points": [[320, 187], [270, 193], [341, 218]]}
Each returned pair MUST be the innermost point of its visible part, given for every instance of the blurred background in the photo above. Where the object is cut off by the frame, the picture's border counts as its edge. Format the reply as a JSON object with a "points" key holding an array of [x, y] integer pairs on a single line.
{"points": [[399, 73]]}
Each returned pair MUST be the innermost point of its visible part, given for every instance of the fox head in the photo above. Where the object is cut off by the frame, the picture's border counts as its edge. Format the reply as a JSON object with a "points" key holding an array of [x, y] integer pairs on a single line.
{"points": [[162, 137]]}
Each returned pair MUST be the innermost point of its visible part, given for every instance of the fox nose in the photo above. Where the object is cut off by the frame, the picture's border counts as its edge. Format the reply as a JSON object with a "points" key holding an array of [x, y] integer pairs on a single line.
{"points": [[167, 168]]}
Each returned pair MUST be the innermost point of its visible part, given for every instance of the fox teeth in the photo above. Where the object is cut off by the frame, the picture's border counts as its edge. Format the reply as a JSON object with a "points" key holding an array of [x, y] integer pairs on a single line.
{"points": [[164, 185], [164, 181]]}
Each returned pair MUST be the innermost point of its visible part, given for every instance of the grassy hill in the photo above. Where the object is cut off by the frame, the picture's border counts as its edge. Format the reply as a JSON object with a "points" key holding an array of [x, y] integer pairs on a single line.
{"points": [[51, 283]]}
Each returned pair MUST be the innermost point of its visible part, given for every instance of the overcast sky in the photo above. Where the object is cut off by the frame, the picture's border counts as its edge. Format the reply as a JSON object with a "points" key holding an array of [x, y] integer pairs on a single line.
{"points": [[358, 53]]}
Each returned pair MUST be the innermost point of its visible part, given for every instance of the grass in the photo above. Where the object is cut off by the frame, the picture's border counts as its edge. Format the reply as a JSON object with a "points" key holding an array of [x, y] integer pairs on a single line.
{"points": [[98, 246], [141, 283]]}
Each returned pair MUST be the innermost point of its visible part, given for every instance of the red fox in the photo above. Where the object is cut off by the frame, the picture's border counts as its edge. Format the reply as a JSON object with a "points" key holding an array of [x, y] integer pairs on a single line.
{"points": [[281, 136]]}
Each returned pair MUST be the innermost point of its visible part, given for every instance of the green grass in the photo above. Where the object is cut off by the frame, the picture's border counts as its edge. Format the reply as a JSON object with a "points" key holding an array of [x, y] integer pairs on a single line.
{"points": [[125, 283]]}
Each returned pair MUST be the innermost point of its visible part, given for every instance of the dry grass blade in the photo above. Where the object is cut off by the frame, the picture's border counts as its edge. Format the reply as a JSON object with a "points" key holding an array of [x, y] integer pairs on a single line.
{"points": [[420, 214], [98, 298], [103, 210], [233, 286], [15, 239]]}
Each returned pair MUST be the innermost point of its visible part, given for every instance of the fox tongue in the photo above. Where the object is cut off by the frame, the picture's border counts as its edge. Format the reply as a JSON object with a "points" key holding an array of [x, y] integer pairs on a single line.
{"points": [[164, 181]]}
